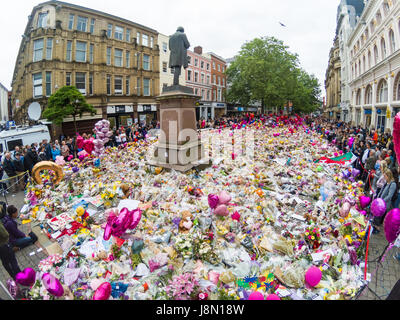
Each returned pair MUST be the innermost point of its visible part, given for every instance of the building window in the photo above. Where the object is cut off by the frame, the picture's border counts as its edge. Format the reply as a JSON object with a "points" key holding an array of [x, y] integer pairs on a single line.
{"points": [[92, 23], [196, 77], [151, 42], [49, 48], [214, 95], [80, 82], [208, 79], [202, 64], [208, 95], [128, 86], [119, 33], [91, 55], [165, 67], [80, 55], [165, 47], [392, 41], [146, 62], [376, 57], [109, 56], [42, 20], [138, 37], [118, 58], [383, 48], [208, 67], [71, 22], [219, 95], [69, 51], [202, 78], [190, 60], [383, 92], [189, 75], [223, 82], [109, 30], [146, 87], [38, 50], [219, 80], [81, 24], [48, 84], [145, 40], [214, 65], [214, 79], [368, 95], [108, 85], [196, 92], [223, 69], [37, 85], [369, 59], [128, 35], [358, 98], [68, 79], [128, 59], [196, 62], [219, 68], [138, 87], [203, 94], [91, 83], [118, 85]]}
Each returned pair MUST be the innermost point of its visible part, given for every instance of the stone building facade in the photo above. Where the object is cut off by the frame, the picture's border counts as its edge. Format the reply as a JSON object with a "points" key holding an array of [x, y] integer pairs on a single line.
{"points": [[218, 68], [333, 84], [375, 65], [112, 61]]}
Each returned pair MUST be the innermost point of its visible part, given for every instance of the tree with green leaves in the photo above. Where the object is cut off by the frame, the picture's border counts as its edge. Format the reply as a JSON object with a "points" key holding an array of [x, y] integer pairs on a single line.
{"points": [[265, 71], [67, 102]]}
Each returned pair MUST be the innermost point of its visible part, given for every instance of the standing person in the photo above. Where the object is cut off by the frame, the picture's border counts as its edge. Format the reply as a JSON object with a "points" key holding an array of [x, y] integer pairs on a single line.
{"points": [[18, 240], [47, 147], [42, 154], [3, 186], [30, 159], [55, 152], [71, 148], [7, 255], [19, 170], [9, 168], [388, 194], [117, 138], [64, 150]]}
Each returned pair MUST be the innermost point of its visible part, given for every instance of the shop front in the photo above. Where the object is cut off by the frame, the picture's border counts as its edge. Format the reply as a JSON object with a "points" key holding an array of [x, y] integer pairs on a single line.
{"points": [[203, 111], [381, 119], [120, 116], [219, 110], [147, 114], [368, 118]]}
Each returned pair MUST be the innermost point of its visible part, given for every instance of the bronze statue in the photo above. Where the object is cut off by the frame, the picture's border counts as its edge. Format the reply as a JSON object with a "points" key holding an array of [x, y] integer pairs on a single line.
{"points": [[178, 45]]}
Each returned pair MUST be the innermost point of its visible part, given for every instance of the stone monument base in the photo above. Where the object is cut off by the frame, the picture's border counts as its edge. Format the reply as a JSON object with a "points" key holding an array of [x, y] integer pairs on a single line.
{"points": [[176, 150]]}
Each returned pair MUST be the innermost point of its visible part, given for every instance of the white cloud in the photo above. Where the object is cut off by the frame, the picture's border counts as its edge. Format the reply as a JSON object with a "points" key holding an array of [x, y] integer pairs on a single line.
{"points": [[221, 26]]}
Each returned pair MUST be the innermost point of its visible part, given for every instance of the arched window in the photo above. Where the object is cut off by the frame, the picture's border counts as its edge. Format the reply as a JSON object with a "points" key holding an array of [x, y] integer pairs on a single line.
{"points": [[368, 95], [383, 92], [383, 48], [369, 59], [366, 34], [392, 41], [358, 98], [356, 71], [396, 90], [378, 18], [376, 56]]}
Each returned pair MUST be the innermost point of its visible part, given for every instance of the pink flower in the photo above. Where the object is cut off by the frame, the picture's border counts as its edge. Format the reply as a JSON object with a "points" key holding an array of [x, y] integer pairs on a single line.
{"points": [[236, 216]]}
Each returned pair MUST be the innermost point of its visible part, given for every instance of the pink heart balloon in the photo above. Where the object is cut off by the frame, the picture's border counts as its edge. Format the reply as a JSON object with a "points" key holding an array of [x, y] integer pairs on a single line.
{"points": [[107, 232], [26, 278], [392, 225], [53, 285], [136, 217], [88, 146], [222, 211], [224, 197], [103, 292], [365, 201]]}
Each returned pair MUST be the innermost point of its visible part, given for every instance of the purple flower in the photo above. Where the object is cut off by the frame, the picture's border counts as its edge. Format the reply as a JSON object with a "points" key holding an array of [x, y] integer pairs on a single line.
{"points": [[176, 221], [213, 201]]}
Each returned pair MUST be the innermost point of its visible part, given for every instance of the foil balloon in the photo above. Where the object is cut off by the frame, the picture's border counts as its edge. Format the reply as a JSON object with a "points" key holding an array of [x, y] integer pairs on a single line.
{"points": [[313, 276], [80, 142], [345, 210], [365, 201], [213, 201], [26, 278], [88, 146], [256, 296], [355, 173], [224, 197], [53, 285], [222, 211], [103, 292], [13, 288], [378, 208], [273, 297], [392, 225]]}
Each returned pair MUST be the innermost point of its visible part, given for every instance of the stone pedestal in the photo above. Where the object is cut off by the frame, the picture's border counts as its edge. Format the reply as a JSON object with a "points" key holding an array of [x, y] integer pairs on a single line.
{"points": [[179, 146]]}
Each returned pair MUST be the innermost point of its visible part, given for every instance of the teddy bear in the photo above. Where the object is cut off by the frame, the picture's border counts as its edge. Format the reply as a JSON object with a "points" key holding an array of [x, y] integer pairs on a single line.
{"points": [[186, 223]]}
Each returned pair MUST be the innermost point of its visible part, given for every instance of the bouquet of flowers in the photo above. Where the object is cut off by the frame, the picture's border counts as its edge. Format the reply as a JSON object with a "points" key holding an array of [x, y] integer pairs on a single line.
{"points": [[313, 237], [203, 250], [184, 245], [183, 287]]}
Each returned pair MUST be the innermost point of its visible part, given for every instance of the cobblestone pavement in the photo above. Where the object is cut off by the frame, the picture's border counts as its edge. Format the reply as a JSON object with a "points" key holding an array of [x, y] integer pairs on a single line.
{"points": [[384, 278]]}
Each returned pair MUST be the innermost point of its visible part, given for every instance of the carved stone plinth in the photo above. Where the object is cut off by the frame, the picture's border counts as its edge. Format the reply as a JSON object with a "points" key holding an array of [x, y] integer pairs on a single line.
{"points": [[179, 145]]}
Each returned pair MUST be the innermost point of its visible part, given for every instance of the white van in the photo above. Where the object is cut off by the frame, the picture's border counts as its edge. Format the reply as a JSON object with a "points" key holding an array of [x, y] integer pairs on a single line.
{"points": [[23, 137]]}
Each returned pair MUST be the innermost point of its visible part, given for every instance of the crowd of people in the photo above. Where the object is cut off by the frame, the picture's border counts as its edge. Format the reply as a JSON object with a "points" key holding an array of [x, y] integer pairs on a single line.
{"points": [[375, 158]]}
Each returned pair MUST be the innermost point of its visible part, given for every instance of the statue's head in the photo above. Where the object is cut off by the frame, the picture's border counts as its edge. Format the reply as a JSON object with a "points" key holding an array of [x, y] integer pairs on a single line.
{"points": [[180, 29]]}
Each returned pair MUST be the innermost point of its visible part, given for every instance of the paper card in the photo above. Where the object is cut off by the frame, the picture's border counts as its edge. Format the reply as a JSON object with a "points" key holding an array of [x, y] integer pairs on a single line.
{"points": [[54, 249], [297, 217], [56, 235], [91, 212], [128, 204], [282, 293], [320, 256]]}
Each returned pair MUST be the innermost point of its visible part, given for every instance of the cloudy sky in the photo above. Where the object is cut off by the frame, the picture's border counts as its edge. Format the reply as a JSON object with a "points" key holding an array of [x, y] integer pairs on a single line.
{"points": [[220, 26]]}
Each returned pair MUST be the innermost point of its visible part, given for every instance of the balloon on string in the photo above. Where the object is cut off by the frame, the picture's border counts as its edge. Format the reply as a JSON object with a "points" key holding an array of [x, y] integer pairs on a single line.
{"points": [[365, 201], [392, 225], [378, 208]]}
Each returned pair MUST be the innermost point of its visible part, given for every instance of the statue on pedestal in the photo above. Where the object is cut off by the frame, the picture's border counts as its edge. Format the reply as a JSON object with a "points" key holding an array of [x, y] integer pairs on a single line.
{"points": [[178, 45]]}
